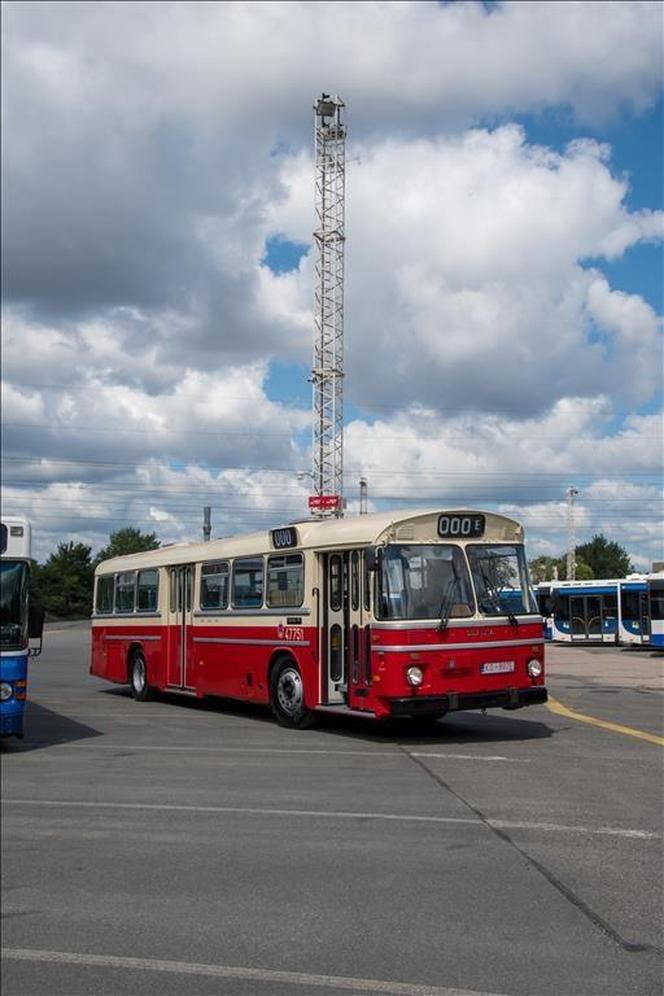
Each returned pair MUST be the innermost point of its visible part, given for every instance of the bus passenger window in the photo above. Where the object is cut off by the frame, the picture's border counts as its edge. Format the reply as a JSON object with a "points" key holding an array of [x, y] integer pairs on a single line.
{"points": [[125, 591], [336, 657], [335, 583], [285, 581], [248, 583], [367, 586], [214, 586], [355, 651], [104, 601], [188, 588], [355, 580], [148, 587]]}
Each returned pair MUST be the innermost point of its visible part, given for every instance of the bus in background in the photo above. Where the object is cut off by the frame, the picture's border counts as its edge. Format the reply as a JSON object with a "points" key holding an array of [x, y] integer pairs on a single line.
{"points": [[613, 611], [542, 592], [20, 622], [656, 609], [634, 613], [394, 614]]}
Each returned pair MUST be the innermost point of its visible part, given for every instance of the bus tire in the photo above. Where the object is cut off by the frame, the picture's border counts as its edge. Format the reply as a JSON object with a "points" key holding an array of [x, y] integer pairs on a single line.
{"points": [[287, 696], [138, 677]]}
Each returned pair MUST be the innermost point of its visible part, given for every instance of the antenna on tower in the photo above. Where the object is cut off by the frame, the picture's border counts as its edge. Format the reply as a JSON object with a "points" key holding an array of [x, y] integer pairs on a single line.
{"points": [[571, 538], [328, 354]]}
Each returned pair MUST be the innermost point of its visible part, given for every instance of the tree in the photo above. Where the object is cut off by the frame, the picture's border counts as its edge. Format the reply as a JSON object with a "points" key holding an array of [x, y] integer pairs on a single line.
{"points": [[63, 585], [605, 558], [543, 569], [555, 569], [583, 571], [128, 540]]}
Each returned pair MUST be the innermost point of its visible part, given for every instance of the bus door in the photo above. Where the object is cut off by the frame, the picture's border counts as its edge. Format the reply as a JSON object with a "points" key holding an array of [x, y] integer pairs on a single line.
{"points": [[358, 639], [180, 657], [587, 619], [335, 622], [343, 644]]}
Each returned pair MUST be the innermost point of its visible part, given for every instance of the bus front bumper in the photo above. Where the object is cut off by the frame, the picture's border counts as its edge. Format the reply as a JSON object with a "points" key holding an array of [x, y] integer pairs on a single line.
{"points": [[438, 705], [11, 723]]}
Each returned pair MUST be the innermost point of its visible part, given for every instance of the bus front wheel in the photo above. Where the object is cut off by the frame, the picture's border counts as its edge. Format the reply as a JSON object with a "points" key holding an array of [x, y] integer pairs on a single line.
{"points": [[138, 677], [287, 696]]}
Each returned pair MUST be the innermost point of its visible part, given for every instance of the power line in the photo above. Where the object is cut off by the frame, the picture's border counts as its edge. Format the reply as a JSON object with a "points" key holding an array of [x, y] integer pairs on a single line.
{"points": [[261, 434], [375, 470], [406, 408]]}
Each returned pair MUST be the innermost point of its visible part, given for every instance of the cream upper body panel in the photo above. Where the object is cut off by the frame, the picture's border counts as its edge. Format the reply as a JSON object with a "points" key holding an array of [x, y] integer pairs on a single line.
{"points": [[357, 531]]}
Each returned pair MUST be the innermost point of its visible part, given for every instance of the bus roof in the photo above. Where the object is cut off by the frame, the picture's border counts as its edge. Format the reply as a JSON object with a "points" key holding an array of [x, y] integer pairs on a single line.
{"points": [[594, 582], [419, 525]]}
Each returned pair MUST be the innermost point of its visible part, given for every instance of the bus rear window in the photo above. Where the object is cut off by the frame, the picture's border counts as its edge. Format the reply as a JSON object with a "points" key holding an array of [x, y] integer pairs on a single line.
{"points": [[104, 601]]}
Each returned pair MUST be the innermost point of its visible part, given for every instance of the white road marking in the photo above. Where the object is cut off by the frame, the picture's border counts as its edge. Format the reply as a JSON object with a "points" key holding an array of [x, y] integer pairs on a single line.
{"points": [[564, 828], [395, 753], [471, 757], [341, 815], [273, 976]]}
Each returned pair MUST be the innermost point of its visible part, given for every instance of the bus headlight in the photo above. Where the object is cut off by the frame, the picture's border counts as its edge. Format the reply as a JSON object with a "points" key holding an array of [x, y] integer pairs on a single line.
{"points": [[414, 676], [535, 668], [6, 691]]}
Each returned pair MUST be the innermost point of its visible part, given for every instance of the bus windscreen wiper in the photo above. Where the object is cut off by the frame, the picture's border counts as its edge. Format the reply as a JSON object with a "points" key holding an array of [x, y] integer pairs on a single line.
{"points": [[495, 602], [446, 603]]}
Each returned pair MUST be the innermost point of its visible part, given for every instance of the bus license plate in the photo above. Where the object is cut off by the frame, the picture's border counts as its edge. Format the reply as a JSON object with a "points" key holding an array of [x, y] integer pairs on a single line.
{"points": [[497, 667]]}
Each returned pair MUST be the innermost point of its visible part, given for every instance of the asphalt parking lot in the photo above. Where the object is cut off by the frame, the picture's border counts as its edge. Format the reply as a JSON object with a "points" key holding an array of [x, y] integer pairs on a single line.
{"points": [[183, 847]]}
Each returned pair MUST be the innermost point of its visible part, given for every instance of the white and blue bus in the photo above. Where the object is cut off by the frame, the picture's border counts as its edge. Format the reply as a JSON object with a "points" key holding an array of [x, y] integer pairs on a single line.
{"points": [[599, 611], [656, 610], [19, 623]]}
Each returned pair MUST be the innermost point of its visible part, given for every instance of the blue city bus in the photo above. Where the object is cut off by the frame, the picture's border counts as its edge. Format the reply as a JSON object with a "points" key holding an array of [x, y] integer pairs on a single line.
{"points": [[20, 622], [599, 611]]}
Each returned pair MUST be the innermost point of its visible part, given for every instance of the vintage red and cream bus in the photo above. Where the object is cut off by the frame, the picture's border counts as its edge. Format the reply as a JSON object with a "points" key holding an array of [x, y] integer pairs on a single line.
{"points": [[407, 614]]}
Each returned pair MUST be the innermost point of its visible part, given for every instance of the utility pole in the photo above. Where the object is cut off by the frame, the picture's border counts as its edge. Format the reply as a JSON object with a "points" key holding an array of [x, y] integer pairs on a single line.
{"points": [[207, 523], [571, 537], [364, 496], [328, 353]]}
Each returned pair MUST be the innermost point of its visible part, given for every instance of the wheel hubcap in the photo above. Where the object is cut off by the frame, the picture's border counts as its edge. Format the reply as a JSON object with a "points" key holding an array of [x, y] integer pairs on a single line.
{"points": [[289, 691], [138, 675]]}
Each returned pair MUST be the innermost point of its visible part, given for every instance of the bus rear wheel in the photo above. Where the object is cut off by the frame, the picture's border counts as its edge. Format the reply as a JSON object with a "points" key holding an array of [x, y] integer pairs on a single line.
{"points": [[138, 677], [287, 696]]}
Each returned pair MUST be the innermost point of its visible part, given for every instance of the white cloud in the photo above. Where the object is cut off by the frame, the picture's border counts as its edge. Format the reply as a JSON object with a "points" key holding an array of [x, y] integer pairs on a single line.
{"points": [[466, 281], [152, 149]]}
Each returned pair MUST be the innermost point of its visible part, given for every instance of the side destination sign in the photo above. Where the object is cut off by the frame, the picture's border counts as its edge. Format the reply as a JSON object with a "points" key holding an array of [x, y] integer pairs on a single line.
{"points": [[283, 539], [462, 526]]}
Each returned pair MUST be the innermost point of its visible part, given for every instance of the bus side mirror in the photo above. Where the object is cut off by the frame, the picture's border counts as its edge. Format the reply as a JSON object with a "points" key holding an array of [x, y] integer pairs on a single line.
{"points": [[373, 558], [36, 622]]}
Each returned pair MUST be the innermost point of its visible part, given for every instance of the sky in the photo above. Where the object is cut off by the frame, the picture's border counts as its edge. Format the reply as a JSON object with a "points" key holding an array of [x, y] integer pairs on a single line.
{"points": [[503, 307]]}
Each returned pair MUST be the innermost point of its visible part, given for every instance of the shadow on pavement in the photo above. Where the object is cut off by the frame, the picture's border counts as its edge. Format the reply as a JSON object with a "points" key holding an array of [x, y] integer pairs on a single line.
{"points": [[456, 728], [45, 728]]}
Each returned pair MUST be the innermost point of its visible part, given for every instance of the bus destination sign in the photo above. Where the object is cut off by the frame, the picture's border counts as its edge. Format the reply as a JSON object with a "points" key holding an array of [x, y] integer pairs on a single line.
{"points": [[285, 538], [461, 526]]}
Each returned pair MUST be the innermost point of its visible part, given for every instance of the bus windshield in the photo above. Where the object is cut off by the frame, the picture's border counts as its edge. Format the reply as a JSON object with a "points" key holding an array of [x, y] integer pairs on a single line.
{"points": [[13, 605], [423, 582], [500, 577]]}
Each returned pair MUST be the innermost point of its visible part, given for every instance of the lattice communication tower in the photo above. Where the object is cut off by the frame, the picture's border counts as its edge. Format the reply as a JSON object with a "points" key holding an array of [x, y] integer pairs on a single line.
{"points": [[327, 375]]}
